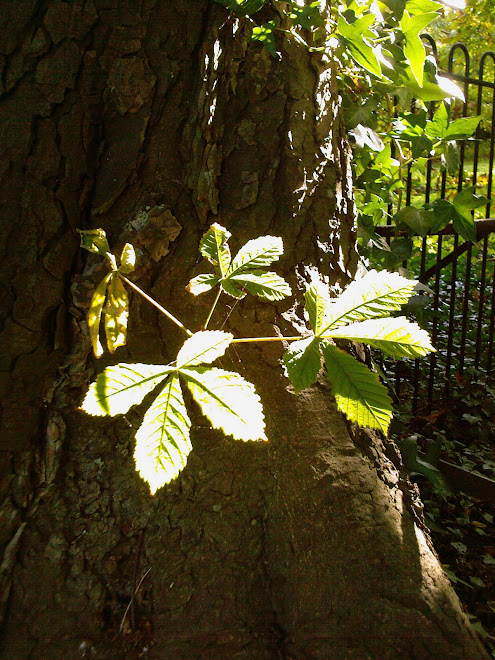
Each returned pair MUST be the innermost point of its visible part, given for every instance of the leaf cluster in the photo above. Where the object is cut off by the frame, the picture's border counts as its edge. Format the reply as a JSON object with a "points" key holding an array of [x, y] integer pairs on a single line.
{"points": [[226, 399]]}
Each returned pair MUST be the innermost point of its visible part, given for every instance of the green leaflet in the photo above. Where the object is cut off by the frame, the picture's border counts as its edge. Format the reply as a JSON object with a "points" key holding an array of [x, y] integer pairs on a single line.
{"points": [[203, 348], [357, 390], [243, 274], [202, 283], [302, 361], [127, 259], [119, 387], [256, 253], [162, 441], [94, 240], [228, 401], [376, 294], [94, 314], [267, 286], [116, 314], [215, 248], [317, 300], [396, 336]]}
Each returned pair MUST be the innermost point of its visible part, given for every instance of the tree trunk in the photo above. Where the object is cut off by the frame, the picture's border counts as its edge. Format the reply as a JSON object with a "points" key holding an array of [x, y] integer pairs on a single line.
{"points": [[154, 119]]}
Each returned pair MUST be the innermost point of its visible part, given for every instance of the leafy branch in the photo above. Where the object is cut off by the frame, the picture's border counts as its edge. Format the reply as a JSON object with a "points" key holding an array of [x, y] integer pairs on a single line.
{"points": [[226, 399]]}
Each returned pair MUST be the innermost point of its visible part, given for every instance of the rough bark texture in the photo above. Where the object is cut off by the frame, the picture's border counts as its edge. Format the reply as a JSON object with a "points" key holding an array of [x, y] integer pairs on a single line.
{"points": [[152, 119]]}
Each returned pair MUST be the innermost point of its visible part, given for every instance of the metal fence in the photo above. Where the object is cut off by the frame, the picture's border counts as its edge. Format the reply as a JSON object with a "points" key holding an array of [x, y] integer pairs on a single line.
{"points": [[461, 274]]}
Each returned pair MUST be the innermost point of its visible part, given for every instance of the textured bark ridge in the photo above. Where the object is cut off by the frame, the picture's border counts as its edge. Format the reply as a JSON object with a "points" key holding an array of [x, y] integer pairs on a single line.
{"points": [[153, 119]]}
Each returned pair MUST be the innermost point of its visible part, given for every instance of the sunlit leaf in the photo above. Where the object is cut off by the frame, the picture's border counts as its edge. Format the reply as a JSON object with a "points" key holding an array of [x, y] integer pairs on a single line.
{"points": [[414, 50], [203, 348], [228, 401], [255, 254], [376, 294], [162, 441], [462, 128], [357, 390], [94, 314], [267, 286], [94, 240], [214, 247], [317, 299], [121, 386], [202, 283], [394, 336], [302, 361], [356, 46], [116, 314], [127, 259]]}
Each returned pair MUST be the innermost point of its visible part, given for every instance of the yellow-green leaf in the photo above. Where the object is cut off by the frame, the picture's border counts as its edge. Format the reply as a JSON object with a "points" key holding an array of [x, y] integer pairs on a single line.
{"points": [[127, 259], [116, 314], [94, 314], [94, 240], [162, 441], [357, 390]]}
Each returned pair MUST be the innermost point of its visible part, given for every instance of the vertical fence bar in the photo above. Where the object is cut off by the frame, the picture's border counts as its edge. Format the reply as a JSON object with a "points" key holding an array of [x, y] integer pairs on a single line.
{"points": [[482, 298], [465, 76]]}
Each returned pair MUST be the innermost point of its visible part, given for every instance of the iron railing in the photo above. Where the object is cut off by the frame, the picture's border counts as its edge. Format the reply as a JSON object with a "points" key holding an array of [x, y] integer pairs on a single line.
{"points": [[462, 314]]}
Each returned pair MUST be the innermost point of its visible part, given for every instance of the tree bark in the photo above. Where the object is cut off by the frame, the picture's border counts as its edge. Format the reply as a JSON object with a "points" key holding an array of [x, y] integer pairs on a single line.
{"points": [[153, 119]]}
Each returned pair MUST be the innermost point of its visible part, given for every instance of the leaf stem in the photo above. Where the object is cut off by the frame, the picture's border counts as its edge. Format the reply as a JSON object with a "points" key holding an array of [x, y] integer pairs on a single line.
{"points": [[157, 305], [212, 308], [248, 340]]}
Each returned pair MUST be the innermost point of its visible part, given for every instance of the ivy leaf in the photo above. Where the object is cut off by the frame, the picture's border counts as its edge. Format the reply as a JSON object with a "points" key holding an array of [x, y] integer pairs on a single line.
{"points": [[203, 348], [395, 336], [121, 386], [127, 259], [437, 127], [162, 441], [94, 240], [116, 314], [256, 253], [228, 401], [94, 314], [414, 50], [358, 391], [317, 299], [267, 286], [462, 128], [202, 283], [302, 361], [464, 203], [357, 47], [376, 294], [214, 247], [419, 220]]}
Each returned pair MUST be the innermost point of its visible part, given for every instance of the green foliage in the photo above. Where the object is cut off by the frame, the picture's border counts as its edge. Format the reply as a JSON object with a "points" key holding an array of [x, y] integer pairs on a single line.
{"points": [[357, 390], [226, 399], [357, 315], [162, 441], [243, 272]]}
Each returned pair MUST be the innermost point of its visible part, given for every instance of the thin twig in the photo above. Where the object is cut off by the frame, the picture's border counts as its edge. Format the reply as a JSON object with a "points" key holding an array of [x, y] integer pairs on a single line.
{"points": [[212, 308], [157, 305], [132, 598], [248, 340]]}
